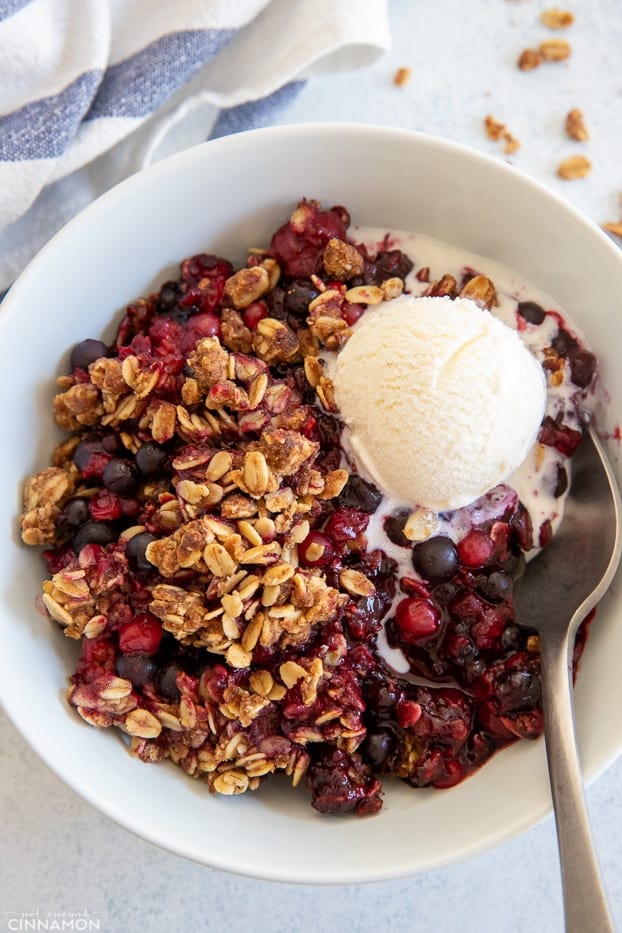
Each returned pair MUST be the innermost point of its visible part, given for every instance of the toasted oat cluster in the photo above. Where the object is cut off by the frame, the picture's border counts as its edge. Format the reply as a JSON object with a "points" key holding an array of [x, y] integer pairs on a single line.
{"points": [[206, 539]]}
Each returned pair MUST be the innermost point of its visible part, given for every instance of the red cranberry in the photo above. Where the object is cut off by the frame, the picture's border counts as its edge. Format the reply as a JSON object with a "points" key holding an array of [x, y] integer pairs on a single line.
{"points": [[417, 619], [198, 327], [352, 313], [142, 635], [86, 352], [299, 244], [254, 313], [316, 550], [476, 549], [120, 476], [105, 506], [436, 559]]}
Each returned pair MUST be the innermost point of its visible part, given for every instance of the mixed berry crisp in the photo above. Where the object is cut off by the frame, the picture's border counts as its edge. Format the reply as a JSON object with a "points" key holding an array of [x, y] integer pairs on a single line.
{"points": [[245, 601]]}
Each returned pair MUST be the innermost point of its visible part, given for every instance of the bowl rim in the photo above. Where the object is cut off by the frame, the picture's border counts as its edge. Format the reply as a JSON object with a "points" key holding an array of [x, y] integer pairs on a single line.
{"points": [[10, 305]]}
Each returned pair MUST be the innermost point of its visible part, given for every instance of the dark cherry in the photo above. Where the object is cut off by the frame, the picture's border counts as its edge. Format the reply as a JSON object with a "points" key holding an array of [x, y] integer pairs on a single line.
{"points": [[93, 533], [120, 476], [361, 495], [394, 528], [436, 559], [135, 552], [76, 512], [166, 682], [137, 668], [531, 312], [86, 352], [151, 459], [582, 367]]}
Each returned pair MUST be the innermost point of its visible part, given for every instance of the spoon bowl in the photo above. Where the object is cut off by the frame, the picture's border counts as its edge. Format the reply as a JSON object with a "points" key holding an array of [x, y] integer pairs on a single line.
{"points": [[561, 587]]}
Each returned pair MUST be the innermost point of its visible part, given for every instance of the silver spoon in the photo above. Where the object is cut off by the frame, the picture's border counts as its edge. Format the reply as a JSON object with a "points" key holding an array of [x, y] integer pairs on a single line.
{"points": [[561, 586]]}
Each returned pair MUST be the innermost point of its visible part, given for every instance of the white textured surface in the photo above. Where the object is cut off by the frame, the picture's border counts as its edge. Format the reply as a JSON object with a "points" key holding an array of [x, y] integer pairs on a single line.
{"points": [[56, 853]]}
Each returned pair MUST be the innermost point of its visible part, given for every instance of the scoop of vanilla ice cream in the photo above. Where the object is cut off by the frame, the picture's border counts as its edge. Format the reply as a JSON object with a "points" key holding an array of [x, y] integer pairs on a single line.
{"points": [[442, 400]]}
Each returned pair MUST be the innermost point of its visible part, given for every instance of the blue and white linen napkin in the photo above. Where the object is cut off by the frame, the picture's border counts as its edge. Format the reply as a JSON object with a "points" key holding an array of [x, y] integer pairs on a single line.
{"points": [[92, 90]]}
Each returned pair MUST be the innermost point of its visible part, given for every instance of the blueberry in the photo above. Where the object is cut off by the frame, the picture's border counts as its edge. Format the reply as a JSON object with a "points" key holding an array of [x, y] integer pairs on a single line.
{"points": [[436, 559], [361, 495], [76, 512], [496, 587], [135, 552], [517, 689], [137, 668], [511, 637], [379, 743], [166, 682], [564, 343], [151, 459], [297, 298], [561, 481], [86, 352], [531, 312], [582, 367], [394, 528], [93, 533], [169, 294], [120, 476]]}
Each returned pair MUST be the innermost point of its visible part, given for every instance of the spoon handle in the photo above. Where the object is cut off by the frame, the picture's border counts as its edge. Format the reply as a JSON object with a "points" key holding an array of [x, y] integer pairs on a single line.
{"points": [[585, 904]]}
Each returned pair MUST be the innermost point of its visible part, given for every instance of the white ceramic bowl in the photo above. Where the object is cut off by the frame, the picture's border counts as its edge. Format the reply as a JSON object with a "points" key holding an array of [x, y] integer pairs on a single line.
{"points": [[221, 197]]}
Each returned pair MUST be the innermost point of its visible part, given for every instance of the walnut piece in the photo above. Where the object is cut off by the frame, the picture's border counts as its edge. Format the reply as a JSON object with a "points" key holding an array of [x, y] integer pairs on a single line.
{"points": [[554, 18], [529, 59], [554, 50], [576, 166], [575, 125]]}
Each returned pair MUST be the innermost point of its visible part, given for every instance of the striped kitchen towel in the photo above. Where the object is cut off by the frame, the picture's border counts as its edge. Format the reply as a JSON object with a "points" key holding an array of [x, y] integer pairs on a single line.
{"points": [[92, 90]]}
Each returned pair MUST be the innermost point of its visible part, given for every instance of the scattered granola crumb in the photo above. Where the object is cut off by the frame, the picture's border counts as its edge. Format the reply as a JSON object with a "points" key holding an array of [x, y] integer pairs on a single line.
{"points": [[529, 59], [555, 18], [554, 50], [613, 227], [401, 77], [496, 131], [575, 125], [576, 166]]}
